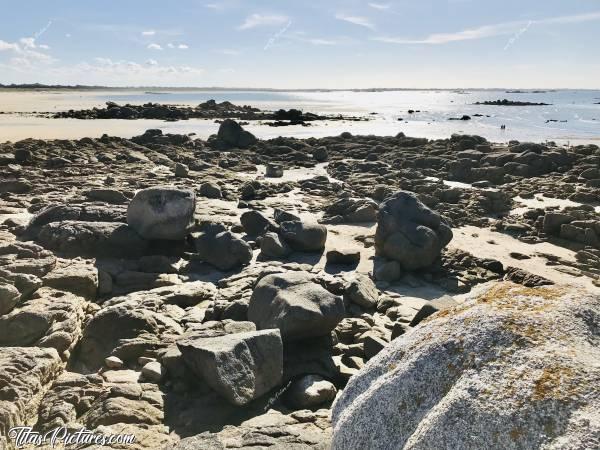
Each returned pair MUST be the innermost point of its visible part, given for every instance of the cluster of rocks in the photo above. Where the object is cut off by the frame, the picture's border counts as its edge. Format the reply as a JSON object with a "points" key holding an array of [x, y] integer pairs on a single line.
{"points": [[506, 102], [207, 110], [194, 308]]}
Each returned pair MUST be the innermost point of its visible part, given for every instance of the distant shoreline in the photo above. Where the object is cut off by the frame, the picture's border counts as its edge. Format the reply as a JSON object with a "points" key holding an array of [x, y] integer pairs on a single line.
{"points": [[44, 87]]}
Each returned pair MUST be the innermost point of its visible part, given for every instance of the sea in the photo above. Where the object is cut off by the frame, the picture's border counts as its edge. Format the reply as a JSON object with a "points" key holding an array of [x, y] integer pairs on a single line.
{"points": [[570, 117]]}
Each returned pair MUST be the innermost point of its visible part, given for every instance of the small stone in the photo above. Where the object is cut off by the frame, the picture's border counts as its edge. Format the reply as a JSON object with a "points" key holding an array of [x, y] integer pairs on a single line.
{"points": [[310, 391], [112, 362], [181, 170], [153, 371]]}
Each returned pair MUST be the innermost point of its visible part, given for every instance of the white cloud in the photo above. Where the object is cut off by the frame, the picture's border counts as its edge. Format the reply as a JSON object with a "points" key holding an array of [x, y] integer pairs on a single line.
{"points": [[44, 47], [26, 52], [8, 46], [154, 47], [380, 6], [68, 35], [148, 33], [183, 46], [151, 62], [485, 31], [27, 42], [260, 20], [356, 20]]}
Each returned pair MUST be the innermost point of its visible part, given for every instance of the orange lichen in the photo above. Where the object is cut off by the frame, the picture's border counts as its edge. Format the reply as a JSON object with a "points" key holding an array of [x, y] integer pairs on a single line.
{"points": [[555, 382]]}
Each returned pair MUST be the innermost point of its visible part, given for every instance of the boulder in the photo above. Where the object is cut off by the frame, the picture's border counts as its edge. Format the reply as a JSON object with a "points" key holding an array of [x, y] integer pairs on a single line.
{"points": [[232, 134], [362, 291], [295, 304], [513, 367], [272, 246], [273, 170], [240, 366], [304, 236], [162, 213], [80, 279], [223, 250], [343, 256], [255, 224], [409, 232], [210, 190]]}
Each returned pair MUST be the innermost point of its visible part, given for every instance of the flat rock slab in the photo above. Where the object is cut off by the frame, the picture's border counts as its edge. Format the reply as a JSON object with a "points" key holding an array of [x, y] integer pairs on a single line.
{"points": [[240, 366]]}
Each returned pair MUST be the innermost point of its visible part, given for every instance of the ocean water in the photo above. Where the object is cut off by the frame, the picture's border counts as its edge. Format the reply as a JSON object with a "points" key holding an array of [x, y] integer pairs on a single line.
{"points": [[572, 116]]}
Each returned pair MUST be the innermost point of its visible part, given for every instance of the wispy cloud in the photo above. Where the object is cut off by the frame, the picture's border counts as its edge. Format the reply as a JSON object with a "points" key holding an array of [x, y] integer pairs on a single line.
{"points": [[183, 46], [148, 33], [356, 20], [154, 46], [261, 20], [26, 52], [273, 39], [380, 6], [485, 31]]}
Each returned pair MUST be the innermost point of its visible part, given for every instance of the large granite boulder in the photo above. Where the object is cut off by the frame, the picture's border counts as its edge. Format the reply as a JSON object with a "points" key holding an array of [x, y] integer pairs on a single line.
{"points": [[409, 232], [512, 367], [240, 366], [295, 304], [162, 213]]}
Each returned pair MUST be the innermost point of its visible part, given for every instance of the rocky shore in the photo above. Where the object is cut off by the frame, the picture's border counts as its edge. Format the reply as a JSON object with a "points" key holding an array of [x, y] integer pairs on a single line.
{"points": [[207, 110], [341, 292]]}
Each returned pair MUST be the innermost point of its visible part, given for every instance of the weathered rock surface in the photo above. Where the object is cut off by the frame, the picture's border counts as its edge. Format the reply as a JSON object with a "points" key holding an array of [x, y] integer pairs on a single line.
{"points": [[512, 367], [296, 305], [240, 366], [304, 236], [162, 213], [25, 376], [409, 232], [223, 250]]}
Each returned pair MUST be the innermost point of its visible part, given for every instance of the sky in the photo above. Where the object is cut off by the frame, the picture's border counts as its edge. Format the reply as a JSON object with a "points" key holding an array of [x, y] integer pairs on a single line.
{"points": [[302, 44]]}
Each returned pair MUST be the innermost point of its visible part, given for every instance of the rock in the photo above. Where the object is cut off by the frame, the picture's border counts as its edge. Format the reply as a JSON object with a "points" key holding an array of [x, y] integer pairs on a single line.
{"points": [[304, 236], [310, 391], [353, 210], [272, 246], [372, 345], [554, 220], [432, 307], [153, 371], [210, 190], [9, 297], [342, 256], [80, 279], [274, 170], [125, 328], [296, 305], [255, 224], [162, 213], [389, 271], [92, 239], [26, 283], [15, 186], [241, 366], [320, 154], [409, 232], [223, 250], [49, 318], [232, 134], [25, 376], [283, 216], [112, 362], [362, 291], [181, 170], [107, 195], [508, 362]]}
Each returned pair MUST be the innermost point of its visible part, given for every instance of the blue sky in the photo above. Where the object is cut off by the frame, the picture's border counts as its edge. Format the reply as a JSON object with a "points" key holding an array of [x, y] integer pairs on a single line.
{"points": [[302, 44]]}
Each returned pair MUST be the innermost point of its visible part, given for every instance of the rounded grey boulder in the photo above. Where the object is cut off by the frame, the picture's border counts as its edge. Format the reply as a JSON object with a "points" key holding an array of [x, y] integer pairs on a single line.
{"points": [[304, 236], [295, 304], [512, 367], [162, 213], [409, 232]]}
